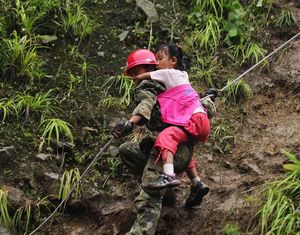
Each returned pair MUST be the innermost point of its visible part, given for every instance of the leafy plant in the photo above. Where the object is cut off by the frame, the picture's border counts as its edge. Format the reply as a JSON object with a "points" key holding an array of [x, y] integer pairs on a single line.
{"points": [[235, 24], [38, 103], [5, 218], [21, 213], [231, 229], [222, 137], [21, 59], [75, 21], [110, 102], [27, 19], [279, 213], [29, 213], [68, 180], [113, 163], [247, 52], [74, 81], [208, 35], [85, 67], [285, 18], [205, 70], [125, 85], [54, 128], [212, 6], [236, 92], [8, 107], [30, 13]]}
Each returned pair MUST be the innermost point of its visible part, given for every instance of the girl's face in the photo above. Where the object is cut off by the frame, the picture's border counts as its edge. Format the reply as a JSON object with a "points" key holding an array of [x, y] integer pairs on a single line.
{"points": [[164, 61]]}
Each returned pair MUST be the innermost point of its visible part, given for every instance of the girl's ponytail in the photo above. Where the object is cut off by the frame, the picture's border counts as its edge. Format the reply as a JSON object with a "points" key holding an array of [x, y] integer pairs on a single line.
{"points": [[183, 62]]}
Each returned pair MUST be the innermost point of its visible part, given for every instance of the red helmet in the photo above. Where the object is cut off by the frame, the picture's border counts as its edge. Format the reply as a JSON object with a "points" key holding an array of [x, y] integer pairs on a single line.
{"points": [[140, 57]]}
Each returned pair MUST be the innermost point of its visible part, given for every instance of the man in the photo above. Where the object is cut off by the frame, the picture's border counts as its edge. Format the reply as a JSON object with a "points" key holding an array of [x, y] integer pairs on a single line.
{"points": [[140, 156]]}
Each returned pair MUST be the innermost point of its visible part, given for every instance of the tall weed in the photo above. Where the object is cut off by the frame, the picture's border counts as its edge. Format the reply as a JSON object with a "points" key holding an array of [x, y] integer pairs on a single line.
{"points": [[279, 213], [21, 59], [54, 129], [5, 218], [236, 92], [68, 180]]}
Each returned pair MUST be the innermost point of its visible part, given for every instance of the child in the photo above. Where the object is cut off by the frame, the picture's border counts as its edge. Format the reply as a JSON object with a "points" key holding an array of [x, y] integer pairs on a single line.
{"points": [[180, 108]]}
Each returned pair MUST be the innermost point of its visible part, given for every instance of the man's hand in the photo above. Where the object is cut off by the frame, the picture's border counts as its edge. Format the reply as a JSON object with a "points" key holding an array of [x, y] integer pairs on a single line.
{"points": [[212, 93], [122, 128]]}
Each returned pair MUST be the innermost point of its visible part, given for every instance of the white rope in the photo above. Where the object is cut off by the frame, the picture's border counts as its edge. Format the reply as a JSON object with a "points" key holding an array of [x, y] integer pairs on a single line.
{"points": [[73, 188], [258, 63]]}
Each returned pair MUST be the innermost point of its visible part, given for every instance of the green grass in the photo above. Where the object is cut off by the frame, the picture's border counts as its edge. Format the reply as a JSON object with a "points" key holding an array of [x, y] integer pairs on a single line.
{"points": [[204, 70], [28, 214], [75, 22], [222, 137], [74, 81], [41, 102], [67, 181], [8, 108], [236, 92], [212, 6], [21, 59], [279, 213], [208, 35], [125, 87], [22, 214], [54, 129], [231, 229], [285, 18], [247, 52], [5, 218]]}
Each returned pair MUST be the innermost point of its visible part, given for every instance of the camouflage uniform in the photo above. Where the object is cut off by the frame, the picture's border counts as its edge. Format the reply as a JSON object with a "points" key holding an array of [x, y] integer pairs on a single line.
{"points": [[140, 158]]}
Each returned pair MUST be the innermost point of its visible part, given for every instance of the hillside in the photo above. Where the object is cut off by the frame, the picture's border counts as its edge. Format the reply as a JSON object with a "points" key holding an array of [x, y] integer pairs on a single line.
{"points": [[235, 165]]}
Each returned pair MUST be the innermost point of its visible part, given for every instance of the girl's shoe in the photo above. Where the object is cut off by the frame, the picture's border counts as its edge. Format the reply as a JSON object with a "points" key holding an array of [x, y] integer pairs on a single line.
{"points": [[163, 181]]}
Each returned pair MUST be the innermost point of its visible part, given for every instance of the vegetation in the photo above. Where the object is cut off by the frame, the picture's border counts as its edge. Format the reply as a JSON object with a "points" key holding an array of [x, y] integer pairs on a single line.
{"points": [[71, 86], [52, 129], [69, 179], [5, 218], [279, 212]]}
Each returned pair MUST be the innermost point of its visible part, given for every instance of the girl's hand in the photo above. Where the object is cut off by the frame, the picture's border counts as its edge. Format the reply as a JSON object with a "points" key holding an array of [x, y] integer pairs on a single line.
{"points": [[141, 77]]}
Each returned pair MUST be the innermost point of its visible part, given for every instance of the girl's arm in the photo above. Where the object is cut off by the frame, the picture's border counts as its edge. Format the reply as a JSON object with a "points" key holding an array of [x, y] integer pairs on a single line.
{"points": [[143, 76]]}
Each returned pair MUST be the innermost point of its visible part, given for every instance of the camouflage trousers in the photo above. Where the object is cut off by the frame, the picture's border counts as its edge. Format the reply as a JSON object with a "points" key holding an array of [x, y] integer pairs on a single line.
{"points": [[149, 202]]}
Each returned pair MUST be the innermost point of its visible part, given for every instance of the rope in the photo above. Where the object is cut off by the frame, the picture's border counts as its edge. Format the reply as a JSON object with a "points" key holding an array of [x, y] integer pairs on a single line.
{"points": [[258, 63], [73, 188]]}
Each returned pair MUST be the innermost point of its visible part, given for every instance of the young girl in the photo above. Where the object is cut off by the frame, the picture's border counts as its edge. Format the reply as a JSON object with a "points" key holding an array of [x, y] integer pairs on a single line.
{"points": [[180, 108]]}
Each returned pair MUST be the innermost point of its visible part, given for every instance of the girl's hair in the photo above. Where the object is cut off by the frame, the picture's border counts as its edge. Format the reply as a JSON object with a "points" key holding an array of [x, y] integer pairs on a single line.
{"points": [[183, 62]]}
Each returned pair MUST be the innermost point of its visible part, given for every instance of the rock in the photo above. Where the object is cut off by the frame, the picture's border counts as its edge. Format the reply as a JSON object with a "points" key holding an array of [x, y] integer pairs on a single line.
{"points": [[5, 155], [116, 218], [246, 167], [208, 157], [47, 181], [16, 197], [45, 156], [48, 38], [149, 9], [123, 35], [4, 231]]}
